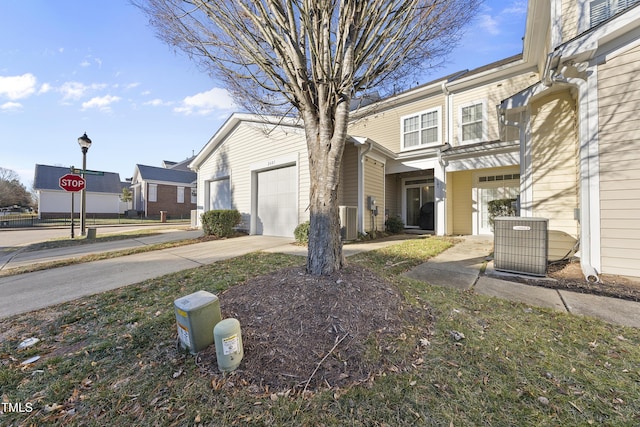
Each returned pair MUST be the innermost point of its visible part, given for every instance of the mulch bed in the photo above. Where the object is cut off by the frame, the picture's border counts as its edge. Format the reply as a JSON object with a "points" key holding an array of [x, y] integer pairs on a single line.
{"points": [[568, 276], [304, 333]]}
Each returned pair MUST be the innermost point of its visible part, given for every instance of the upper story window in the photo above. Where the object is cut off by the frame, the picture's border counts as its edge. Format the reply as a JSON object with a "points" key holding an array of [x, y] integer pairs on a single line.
{"points": [[421, 130], [601, 10], [472, 122]]}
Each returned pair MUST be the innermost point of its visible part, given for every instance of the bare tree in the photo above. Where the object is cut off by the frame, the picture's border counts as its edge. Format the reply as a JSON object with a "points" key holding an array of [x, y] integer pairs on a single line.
{"points": [[12, 191], [310, 58]]}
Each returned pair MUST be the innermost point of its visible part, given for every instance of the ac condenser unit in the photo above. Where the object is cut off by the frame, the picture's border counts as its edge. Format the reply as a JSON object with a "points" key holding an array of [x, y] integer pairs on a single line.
{"points": [[521, 245], [349, 222]]}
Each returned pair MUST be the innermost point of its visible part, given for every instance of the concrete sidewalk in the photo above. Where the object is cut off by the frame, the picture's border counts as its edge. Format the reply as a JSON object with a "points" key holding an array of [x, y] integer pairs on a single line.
{"points": [[26, 292], [22, 258], [459, 267], [31, 291]]}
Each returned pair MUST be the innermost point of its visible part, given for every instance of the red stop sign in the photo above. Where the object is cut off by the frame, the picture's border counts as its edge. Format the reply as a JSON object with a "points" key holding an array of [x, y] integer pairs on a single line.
{"points": [[71, 182]]}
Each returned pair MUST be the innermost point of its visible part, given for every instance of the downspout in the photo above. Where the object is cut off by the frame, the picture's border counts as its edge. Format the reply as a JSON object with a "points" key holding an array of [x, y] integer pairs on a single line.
{"points": [[589, 171], [449, 107], [441, 183], [362, 154]]}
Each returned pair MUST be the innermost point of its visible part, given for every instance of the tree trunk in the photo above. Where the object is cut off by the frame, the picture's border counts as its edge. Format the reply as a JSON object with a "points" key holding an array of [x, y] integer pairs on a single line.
{"points": [[325, 142]]}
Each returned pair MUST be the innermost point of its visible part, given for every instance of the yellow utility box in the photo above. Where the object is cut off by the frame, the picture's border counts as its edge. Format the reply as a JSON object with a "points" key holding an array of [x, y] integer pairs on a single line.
{"points": [[228, 340]]}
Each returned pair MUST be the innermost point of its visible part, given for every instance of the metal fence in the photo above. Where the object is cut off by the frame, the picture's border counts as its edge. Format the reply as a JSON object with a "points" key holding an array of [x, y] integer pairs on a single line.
{"points": [[28, 220]]}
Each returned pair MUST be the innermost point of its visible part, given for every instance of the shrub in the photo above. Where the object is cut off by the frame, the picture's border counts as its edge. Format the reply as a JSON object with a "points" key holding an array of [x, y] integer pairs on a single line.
{"points": [[220, 223], [301, 233], [394, 225], [500, 207]]}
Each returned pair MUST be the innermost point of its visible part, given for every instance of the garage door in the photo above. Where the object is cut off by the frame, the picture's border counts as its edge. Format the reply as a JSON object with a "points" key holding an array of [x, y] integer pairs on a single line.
{"points": [[277, 202]]}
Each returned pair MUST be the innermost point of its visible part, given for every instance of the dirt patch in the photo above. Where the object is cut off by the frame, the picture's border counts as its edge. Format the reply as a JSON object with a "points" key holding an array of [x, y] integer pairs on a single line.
{"points": [[303, 332], [568, 276]]}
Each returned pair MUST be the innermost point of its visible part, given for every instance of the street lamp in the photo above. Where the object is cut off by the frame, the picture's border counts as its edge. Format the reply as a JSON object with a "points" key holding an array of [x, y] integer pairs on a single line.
{"points": [[85, 143]]}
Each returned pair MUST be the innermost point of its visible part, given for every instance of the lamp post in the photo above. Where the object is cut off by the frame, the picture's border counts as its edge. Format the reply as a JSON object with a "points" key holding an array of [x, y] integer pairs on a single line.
{"points": [[85, 143]]}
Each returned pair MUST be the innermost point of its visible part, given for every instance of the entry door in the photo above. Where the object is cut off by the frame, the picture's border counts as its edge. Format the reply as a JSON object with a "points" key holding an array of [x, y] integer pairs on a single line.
{"points": [[419, 203]]}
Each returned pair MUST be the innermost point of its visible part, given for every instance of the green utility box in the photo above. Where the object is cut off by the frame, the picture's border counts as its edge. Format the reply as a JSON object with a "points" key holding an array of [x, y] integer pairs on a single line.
{"points": [[196, 316]]}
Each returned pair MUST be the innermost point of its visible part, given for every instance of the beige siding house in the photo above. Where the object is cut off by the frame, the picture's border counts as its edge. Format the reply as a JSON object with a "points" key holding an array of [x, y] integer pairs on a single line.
{"points": [[555, 127], [579, 131], [258, 167]]}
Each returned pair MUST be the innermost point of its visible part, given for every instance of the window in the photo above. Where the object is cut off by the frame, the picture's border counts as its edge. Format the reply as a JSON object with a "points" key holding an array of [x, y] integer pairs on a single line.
{"points": [[421, 130], [153, 192], [180, 194], [194, 196], [601, 10], [472, 122]]}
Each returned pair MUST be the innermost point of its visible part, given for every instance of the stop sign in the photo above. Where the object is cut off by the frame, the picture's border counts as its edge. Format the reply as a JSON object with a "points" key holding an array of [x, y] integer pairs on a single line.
{"points": [[71, 182]]}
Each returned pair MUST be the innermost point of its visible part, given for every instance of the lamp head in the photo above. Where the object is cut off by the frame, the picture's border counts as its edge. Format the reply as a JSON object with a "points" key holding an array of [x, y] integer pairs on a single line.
{"points": [[84, 142]]}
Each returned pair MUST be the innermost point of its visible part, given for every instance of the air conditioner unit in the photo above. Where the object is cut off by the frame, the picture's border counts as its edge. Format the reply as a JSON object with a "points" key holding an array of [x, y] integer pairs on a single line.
{"points": [[349, 222], [521, 245]]}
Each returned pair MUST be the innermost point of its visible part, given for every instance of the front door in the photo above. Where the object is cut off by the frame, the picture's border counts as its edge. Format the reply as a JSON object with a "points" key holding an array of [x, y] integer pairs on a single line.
{"points": [[494, 187], [419, 203]]}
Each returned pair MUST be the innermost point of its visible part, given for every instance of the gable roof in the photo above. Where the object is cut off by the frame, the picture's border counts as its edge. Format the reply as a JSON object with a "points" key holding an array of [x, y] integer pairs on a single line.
{"points": [[48, 178], [229, 125], [182, 166], [153, 173]]}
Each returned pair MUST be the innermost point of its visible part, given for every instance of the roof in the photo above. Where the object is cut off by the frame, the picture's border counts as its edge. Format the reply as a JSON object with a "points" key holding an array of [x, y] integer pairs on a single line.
{"points": [[153, 173], [48, 178], [181, 166]]}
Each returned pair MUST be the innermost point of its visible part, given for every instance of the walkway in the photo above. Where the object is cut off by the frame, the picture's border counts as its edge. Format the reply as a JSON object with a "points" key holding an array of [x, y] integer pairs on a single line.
{"points": [[459, 267]]}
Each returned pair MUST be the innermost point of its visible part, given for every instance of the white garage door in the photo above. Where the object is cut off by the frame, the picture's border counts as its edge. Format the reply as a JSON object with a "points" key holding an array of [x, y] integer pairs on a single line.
{"points": [[277, 208]]}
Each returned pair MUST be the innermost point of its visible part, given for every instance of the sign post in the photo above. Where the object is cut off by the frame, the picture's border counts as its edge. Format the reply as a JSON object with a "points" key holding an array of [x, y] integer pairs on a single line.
{"points": [[72, 183]]}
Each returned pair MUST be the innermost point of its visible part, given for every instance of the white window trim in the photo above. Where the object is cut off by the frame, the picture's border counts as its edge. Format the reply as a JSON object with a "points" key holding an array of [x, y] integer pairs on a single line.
{"points": [[614, 6], [153, 192], [484, 136], [194, 195], [180, 194], [438, 111]]}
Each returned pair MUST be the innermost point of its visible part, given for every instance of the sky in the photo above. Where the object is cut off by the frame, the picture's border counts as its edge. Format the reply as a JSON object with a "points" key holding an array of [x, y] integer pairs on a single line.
{"points": [[73, 66]]}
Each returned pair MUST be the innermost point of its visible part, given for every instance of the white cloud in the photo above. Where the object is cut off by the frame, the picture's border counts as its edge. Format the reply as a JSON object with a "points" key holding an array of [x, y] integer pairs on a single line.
{"points": [[11, 106], [518, 7], [206, 102], [157, 103], [17, 87], [489, 24], [75, 90], [46, 87], [85, 63], [103, 103]]}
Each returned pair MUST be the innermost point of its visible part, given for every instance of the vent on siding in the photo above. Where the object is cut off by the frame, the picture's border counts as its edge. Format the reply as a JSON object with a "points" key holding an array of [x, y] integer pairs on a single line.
{"points": [[349, 222], [521, 245]]}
